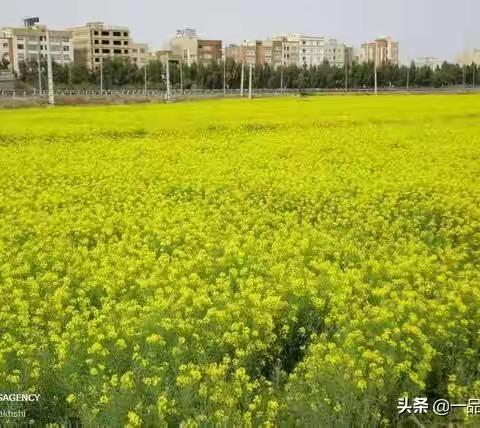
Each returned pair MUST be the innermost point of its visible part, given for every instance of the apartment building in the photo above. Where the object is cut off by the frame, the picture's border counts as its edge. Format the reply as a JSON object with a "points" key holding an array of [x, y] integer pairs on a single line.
{"points": [[97, 41], [256, 52], [270, 52], [209, 50], [22, 44], [290, 50], [470, 56], [337, 53], [311, 50], [6, 50], [164, 55], [193, 49], [384, 49], [248, 52], [139, 53]]}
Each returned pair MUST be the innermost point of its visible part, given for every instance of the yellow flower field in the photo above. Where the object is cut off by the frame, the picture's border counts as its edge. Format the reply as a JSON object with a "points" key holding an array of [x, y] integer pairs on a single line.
{"points": [[279, 262]]}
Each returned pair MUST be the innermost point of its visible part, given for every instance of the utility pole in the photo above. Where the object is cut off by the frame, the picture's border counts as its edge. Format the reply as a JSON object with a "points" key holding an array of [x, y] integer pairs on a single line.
{"points": [[346, 75], [224, 75], [168, 78], [145, 78], [250, 83], [39, 66], [474, 72], [101, 75], [408, 76], [51, 97], [242, 78], [375, 66], [181, 75], [281, 79]]}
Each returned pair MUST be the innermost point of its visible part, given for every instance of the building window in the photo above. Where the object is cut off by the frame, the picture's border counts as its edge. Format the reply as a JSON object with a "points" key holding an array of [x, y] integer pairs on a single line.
{"points": [[97, 50], [20, 47], [66, 48], [96, 42], [134, 51], [117, 42], [97, 59], [125, 51], [125, 43], [105, 42], [106, 51], [117, 34], [125, 34], [105, 33], [117, 51], [95, 33], [5, 45]]}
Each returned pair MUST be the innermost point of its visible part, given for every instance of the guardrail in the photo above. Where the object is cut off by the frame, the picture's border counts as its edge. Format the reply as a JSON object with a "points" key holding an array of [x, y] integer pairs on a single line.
{"points": [[176, 93]]}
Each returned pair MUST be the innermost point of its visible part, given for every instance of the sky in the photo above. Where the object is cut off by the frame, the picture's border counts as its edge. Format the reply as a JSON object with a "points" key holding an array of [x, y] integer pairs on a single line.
{"points": [[437, 28]]}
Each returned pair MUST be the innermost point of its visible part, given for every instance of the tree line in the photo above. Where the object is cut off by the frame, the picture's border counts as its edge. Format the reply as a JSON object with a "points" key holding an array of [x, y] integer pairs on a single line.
{"points": [[120, 73]]}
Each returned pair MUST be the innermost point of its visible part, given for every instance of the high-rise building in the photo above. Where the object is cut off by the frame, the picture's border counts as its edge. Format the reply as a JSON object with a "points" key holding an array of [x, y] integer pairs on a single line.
{"points": [[29, 43], [385, 50]]}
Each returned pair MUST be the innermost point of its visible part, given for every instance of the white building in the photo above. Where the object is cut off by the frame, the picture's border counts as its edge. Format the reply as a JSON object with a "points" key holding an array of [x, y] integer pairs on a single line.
{"points": [[309, 51], [430, 62], [6, 50], [337, 53], [30, 44]]}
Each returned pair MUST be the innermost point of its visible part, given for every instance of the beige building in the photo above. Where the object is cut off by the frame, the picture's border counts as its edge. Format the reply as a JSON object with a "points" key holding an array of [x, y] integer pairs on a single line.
{"points": [[209, 50], [256, 52], [96, 41], [163, 56], [193, 49], [383, 49], [139, 53], [471, 56], [22, 44], [270, 52]]}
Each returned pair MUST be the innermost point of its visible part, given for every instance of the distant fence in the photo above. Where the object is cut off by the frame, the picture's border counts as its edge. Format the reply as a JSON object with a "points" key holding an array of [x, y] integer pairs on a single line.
{"points": [[199, 93]]}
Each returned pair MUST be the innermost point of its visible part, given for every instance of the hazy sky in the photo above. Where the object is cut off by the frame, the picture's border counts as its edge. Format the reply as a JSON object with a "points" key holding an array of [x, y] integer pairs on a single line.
{"points": [[439, 28]]}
